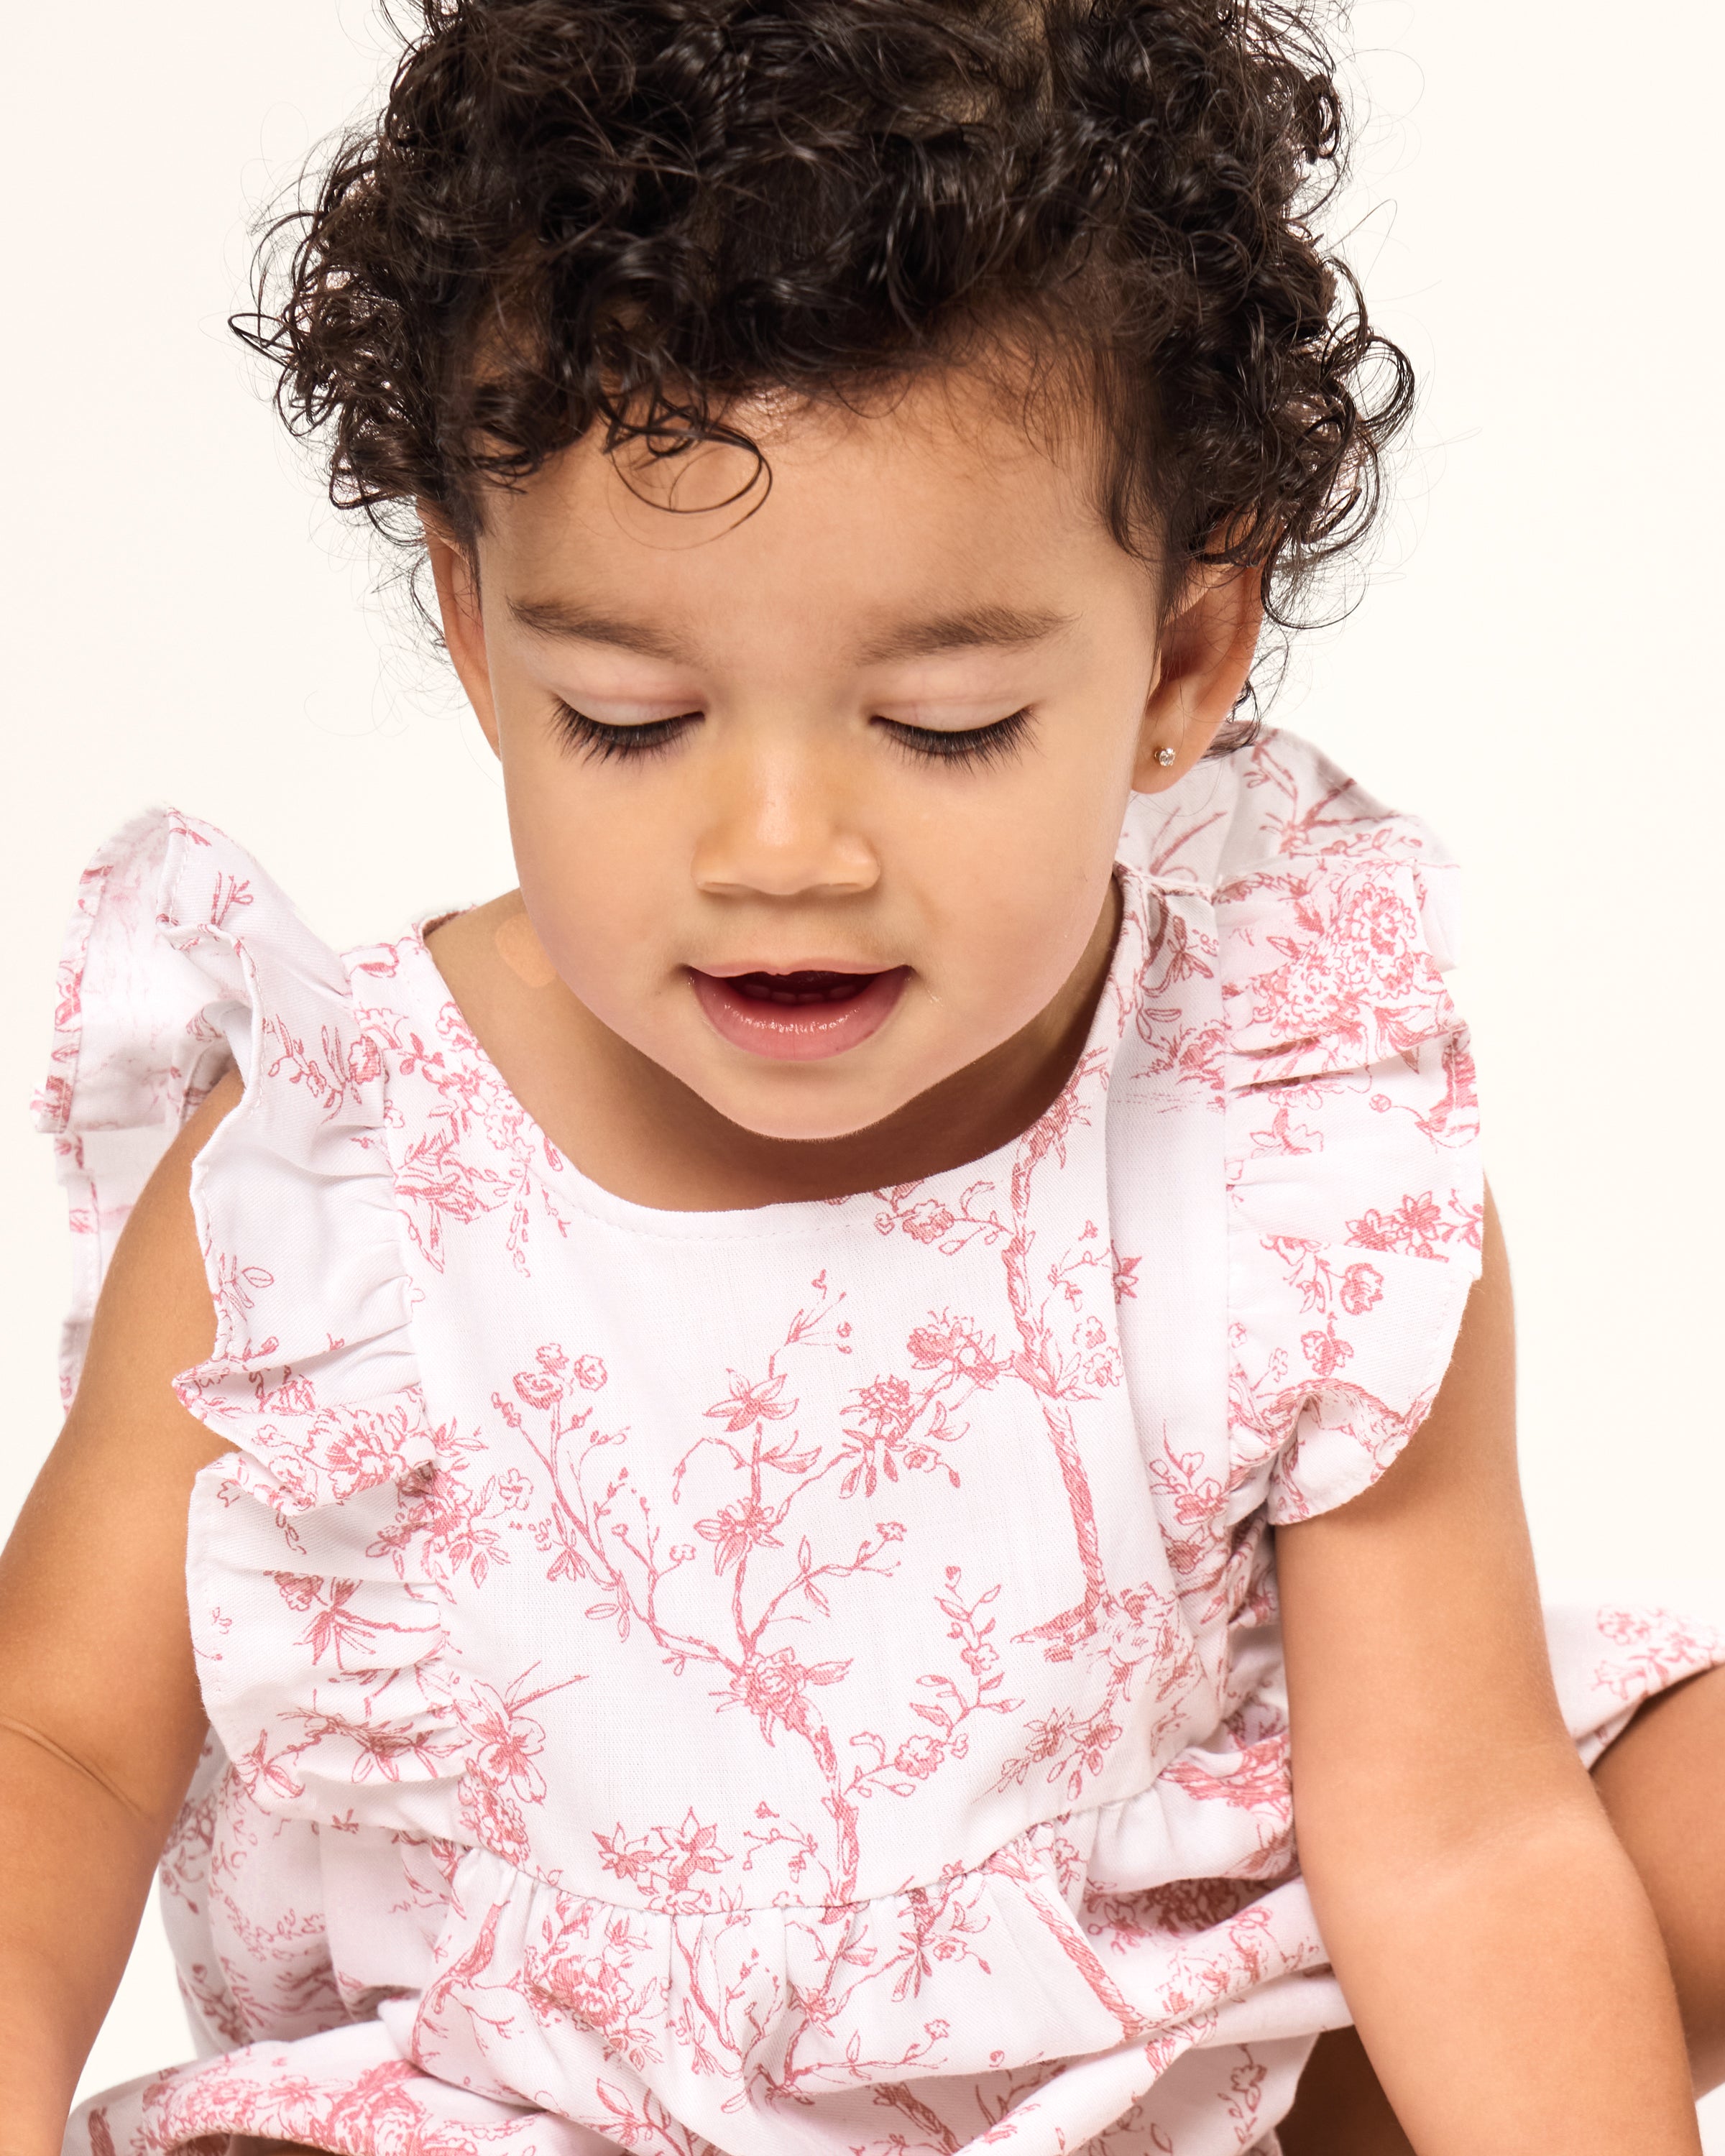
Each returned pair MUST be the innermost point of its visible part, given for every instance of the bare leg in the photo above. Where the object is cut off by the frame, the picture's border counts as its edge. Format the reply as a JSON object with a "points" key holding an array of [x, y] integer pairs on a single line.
{"points": [[1663, 1785]]}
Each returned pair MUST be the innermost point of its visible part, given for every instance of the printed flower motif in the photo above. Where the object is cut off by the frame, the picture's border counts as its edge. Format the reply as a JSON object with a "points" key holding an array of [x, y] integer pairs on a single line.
{"points": [[1050, 1735], [506, 1742], [745, 1404], [955, 1345], [1372, 1230], [666, 1864], [365, 1062], [598, 1990], [1362, 1290], [888, 1405], [1417, 1227], [294, 1395], [589, 1374], [737, 1529], [632, 1861], [1354, 965], [772, 1688], [919, 1756], [926, 1221], [362, 1447], [500, 1776], [1326, 1352], [878, 1421], [1093, 1741]]}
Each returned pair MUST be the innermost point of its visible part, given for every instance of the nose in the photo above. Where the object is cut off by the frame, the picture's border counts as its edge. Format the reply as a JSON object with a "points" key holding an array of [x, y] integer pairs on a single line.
{"points": [[782, 825]]}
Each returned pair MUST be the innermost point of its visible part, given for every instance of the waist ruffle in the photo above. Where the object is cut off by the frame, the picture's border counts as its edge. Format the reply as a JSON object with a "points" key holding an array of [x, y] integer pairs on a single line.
{"points": [[1036, 1954]]}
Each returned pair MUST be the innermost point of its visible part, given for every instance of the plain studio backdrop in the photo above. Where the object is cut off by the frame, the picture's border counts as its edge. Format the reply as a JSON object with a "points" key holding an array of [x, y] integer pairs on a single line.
{"points": [[1531, 669]]}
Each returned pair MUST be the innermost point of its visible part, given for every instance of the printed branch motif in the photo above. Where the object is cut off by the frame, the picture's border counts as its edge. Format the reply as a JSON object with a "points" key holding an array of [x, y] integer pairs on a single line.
{"points": [[478, 1151]]}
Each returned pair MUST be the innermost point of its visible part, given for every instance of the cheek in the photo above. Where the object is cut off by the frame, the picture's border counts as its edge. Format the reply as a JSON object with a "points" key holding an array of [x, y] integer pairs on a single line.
{"points": [[595, 886], [1013, 897]]}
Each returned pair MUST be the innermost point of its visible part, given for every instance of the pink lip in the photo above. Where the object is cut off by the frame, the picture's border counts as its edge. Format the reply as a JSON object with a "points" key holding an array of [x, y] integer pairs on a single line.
{"points": [[797, 1017]]}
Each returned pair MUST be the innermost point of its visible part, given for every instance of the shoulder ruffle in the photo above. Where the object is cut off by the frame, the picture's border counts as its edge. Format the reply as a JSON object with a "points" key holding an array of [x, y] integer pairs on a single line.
{"points": [[185, 960], [133, 1054], [1352, 1126]]}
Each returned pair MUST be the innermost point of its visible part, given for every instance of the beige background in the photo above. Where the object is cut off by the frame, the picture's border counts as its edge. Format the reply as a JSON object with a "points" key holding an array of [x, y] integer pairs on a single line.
{"points": [[1533, 670]]}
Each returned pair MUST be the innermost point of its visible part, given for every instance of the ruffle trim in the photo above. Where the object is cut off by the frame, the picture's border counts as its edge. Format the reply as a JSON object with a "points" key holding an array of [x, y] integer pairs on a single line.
{"points": [[1016, 1961], [184, 960], [1351, 1135], [132, 1055]]}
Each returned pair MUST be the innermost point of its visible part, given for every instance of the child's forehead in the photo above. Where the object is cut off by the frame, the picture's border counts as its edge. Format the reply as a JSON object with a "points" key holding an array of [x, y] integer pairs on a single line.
{"points": [[946, 464], [886, 537]]}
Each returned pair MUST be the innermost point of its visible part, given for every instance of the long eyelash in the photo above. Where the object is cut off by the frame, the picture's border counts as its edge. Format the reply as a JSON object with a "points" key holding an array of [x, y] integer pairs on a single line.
{"points": [[593, 737], [975, 746]]}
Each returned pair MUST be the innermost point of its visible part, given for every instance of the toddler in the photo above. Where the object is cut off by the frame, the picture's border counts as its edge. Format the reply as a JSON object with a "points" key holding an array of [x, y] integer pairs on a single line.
{"points": [[739, 1501]]}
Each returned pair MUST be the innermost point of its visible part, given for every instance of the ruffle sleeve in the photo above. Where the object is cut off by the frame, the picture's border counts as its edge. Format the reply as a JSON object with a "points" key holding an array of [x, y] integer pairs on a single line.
{"points": [[133, 1054], [1355, 1187], [307, 1542]]}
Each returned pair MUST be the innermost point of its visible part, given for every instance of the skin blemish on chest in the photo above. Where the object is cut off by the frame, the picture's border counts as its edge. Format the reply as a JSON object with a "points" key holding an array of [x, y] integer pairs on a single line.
{"points": [[523, 953]]}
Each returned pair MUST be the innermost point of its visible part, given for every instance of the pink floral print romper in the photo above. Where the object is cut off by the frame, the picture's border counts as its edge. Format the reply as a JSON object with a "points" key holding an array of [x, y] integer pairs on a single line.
{"points": [[801, 1682]]}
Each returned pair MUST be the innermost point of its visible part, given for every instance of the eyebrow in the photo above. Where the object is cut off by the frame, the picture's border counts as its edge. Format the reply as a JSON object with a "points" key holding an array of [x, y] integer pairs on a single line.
{"points": [[585, 625], [968, 629]]}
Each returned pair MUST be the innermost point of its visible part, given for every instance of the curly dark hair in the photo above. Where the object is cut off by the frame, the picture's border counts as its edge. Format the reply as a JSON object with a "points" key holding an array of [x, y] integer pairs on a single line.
{"points": [[628, 215]]}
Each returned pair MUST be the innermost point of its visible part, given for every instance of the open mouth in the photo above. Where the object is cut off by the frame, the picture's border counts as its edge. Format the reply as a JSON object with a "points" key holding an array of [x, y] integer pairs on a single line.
{"points": [[800, 1016], [803, 988]]}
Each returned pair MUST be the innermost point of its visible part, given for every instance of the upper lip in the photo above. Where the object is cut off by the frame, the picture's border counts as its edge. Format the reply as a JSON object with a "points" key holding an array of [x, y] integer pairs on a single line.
{"points": [[729, 971]]}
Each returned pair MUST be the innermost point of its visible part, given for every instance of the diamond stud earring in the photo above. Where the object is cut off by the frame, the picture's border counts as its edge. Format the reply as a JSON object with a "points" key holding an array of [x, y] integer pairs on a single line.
{"points": [[1164, 756]]}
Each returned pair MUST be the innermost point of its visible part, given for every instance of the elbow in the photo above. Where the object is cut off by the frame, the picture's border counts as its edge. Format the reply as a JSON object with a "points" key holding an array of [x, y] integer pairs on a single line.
{"points": [[1437, 1834]]}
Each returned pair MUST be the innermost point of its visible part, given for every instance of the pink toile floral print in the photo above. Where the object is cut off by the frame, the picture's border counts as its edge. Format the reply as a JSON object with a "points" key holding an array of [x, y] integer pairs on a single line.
{"points": [[802, 1680]]}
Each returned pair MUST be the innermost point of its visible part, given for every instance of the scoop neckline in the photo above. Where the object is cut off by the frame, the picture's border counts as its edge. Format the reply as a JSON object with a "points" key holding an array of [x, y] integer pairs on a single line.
{"points": [[554, 1169]]}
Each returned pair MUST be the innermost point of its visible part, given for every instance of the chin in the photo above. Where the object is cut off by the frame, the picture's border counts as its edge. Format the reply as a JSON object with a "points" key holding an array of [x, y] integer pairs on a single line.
{"points": [[821, 1114]]}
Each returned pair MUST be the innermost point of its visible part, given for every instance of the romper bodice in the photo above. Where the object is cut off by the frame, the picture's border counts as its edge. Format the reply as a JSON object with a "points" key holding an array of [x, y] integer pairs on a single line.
{"points": [[830, 1646]]}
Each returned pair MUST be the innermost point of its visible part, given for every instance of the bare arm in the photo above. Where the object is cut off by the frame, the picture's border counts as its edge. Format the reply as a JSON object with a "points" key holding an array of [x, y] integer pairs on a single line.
{"points": [[101, 1720], [1495, 1943]]}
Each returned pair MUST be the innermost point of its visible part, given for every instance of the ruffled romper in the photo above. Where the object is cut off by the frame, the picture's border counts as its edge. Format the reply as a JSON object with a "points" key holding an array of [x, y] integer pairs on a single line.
{"points": [[805, 1681]]}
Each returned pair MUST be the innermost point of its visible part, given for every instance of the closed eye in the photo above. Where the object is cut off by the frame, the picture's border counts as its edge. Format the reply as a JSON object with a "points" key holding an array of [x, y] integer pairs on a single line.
{"points": [[595, 738], [972, 745]]}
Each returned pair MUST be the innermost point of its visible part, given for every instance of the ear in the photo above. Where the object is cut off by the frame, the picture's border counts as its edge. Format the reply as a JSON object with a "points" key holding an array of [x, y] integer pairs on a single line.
{"points": [[456, 573], [1205, 654]]}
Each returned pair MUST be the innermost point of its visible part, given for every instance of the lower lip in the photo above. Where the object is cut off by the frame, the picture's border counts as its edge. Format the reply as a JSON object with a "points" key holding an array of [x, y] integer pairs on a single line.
{"points": [[797, 1032]]}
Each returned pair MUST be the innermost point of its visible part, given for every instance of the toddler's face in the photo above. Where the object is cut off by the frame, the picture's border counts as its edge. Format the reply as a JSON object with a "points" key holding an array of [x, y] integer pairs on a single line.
{"points": [[816, 807]]}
